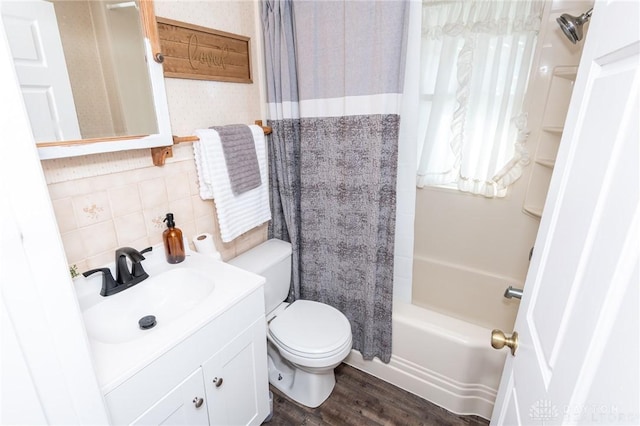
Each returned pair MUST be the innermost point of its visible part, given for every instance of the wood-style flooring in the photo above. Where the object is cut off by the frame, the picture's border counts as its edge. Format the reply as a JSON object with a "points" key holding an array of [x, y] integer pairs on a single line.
{"points": [[361, 399]]}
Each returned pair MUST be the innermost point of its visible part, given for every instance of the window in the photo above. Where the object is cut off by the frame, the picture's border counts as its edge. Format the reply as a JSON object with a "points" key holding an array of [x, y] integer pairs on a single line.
{"points": [[475, 62]]}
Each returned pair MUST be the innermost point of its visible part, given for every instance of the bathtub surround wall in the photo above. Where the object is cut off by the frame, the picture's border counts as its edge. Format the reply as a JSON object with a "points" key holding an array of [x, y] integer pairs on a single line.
{"points": [[105, 201], [465, 245], [334, 82]]}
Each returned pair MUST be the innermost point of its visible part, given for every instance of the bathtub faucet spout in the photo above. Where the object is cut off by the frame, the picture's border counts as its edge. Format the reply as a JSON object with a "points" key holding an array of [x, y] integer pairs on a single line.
{"points": [[511, 292]]}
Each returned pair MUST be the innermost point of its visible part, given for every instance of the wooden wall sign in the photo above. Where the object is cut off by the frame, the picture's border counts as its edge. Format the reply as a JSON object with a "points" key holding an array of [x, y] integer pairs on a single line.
{"points": [[195, 52]]}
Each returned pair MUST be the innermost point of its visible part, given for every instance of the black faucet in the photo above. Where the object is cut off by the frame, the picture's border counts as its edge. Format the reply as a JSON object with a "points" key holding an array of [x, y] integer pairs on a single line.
{"points": [[137, 273], [124, 278], [109, 285]]}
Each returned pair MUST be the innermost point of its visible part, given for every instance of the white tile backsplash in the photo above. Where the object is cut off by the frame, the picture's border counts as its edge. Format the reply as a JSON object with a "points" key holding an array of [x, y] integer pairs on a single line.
{"points": [[202, 207], [153, 193], [98, 238], [91, 208], [130, 228], [94, 223], [181, 208], [154, 220], [99, 260], [124, 200], [73, 246], [177, 186], [63, 209]]}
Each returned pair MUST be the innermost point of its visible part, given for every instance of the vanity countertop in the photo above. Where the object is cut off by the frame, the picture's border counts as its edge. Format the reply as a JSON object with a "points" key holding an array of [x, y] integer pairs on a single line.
{"points": [[181, 301]]}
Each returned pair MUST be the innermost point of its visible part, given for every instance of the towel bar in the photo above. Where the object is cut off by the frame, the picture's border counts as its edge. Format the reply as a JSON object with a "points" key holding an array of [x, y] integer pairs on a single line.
{"points": [[159, 155]]}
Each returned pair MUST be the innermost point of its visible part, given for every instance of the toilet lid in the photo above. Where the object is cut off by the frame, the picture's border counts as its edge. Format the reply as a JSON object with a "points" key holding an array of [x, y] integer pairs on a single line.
{"points": [[311, 328]]}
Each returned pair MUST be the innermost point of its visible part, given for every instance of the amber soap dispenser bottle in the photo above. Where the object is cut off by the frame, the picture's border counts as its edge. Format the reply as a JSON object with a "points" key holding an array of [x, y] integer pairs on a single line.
{"points": [[173, 243]]}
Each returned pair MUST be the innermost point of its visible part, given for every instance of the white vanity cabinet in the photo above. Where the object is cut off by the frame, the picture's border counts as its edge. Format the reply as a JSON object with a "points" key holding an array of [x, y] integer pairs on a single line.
{"points": [[224, 364], [184, 405], [234, 387]]}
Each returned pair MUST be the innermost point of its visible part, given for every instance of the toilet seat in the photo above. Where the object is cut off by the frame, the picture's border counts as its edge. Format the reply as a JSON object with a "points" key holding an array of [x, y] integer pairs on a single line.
{"points": [[311, 330]]}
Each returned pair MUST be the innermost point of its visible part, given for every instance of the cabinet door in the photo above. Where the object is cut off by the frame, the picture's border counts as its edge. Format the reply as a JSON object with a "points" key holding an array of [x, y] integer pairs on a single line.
{"points": [[236, 379], [184, 405]]}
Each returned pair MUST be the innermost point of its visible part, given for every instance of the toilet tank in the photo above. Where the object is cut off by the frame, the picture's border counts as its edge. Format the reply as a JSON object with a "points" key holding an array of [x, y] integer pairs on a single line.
{"points": [[272, 260]]}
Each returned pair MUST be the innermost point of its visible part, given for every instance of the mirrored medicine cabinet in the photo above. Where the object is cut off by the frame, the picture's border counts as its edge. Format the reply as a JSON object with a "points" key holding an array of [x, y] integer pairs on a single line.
{"points": [[90, 73]]}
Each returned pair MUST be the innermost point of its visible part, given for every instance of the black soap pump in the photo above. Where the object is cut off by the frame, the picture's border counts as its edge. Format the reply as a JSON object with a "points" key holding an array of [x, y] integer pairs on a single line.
{"points": [[173, 243]]}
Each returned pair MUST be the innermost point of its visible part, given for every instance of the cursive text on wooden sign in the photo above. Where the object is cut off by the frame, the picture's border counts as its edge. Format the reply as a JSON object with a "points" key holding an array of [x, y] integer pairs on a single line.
{"points": [[200, 53]]}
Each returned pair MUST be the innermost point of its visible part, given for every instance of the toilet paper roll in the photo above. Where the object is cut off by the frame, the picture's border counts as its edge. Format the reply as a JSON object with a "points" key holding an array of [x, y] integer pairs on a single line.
{"points": [[204, 245]]}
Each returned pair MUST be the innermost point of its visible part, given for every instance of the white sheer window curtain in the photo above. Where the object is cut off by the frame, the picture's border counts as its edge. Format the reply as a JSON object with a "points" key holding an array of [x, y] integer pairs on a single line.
{"points": [[475, 62]]}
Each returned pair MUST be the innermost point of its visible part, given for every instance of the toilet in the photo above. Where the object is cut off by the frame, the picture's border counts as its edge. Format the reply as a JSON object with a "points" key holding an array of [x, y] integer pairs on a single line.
{"points": [[306, 340]]}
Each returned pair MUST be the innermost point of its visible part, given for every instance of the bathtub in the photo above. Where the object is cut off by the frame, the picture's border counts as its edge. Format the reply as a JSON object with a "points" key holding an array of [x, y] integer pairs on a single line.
{"points": [[442, 359], [444, 355]]}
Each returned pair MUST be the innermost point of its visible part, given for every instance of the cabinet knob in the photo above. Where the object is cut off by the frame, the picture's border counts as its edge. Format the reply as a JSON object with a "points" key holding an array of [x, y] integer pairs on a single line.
{"points": [[217, 381], [198, 402]]}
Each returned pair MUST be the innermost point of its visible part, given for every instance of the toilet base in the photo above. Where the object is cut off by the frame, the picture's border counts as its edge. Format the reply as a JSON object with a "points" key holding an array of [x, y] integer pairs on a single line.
{"points": [[304, 387]]}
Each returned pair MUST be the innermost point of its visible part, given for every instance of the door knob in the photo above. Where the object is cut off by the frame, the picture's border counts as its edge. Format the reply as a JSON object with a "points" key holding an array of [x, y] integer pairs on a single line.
{"points": [[217, 381], [198, 402], [499, 341]]}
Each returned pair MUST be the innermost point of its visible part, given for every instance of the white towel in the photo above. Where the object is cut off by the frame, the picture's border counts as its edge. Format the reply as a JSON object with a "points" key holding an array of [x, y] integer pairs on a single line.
{"points": [[236, 214]]}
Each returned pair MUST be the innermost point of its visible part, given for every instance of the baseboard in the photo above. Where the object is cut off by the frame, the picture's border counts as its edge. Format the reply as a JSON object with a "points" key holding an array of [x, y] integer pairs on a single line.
{"points": [[459, 398]]}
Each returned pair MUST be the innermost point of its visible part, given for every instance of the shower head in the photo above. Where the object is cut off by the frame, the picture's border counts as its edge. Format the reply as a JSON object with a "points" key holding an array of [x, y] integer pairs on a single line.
{"points": [[572, 25]]}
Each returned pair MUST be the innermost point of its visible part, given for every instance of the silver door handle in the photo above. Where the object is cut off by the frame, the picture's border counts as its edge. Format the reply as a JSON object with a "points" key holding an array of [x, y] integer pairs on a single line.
{"points": [[511, 292]]}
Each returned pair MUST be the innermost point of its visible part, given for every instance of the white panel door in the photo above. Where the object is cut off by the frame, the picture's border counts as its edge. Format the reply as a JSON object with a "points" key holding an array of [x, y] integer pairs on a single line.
{"points": [[36, 47], [578, 324], [50, 355]]}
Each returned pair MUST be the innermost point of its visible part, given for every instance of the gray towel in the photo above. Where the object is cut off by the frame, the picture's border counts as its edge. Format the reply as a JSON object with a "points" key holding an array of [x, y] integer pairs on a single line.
{"points": [[240, 156]]}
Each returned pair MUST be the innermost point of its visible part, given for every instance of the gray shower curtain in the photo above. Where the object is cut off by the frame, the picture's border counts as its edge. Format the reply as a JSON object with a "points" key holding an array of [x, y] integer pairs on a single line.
{"points": [[334, 73]]}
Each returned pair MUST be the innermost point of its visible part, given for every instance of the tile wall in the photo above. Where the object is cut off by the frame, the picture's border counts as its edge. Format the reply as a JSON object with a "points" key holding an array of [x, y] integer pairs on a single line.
{"points": [[98, 214]]}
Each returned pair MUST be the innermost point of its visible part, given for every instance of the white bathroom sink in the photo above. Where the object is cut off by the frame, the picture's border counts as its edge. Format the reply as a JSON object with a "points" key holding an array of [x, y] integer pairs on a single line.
{"points": [[183, 297], [166, 296]]}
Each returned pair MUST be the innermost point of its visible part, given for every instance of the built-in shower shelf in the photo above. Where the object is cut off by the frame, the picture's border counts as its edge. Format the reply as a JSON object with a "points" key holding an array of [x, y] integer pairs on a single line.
{"points": [[545, 162], [553, 129], [533, 211], [568, 73], [549, 105]]}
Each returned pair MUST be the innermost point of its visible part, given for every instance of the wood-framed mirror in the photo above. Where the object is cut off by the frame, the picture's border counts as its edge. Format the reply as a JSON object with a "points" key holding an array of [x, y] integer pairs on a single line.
{"points": [[91, 74]]}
